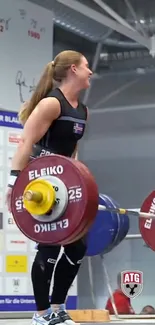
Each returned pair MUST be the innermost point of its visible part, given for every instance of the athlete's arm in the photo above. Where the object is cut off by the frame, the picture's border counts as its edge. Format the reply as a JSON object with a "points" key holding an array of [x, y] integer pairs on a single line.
{"points": [[75, 153], [87, 112], [35, 128]]}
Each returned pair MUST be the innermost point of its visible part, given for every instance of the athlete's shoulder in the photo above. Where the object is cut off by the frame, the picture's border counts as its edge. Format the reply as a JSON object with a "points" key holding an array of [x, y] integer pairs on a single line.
{"points": [[85, 108], [55, 93]]}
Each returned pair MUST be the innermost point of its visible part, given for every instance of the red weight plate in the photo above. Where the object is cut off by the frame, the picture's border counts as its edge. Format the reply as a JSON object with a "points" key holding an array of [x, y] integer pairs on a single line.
{"points": [[71, 223], [92, 203], [147, 225]]}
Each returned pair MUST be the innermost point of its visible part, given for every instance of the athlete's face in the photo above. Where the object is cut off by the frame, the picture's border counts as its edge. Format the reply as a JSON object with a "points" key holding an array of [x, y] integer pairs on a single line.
{"points": [[83, 73]]}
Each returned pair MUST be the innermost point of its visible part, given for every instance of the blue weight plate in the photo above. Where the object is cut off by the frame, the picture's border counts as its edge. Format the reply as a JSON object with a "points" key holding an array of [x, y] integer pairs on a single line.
{"points": [[112, 204], [123, 225], [103, 231]]}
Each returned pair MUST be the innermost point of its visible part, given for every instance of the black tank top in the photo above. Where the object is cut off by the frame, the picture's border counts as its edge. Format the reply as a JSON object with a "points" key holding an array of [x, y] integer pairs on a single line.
{"points": [[64, 133]]}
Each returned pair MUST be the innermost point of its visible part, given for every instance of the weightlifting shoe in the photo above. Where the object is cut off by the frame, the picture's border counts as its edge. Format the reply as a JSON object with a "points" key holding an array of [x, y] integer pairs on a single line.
{"points": [[49, 319], [65, 318]]}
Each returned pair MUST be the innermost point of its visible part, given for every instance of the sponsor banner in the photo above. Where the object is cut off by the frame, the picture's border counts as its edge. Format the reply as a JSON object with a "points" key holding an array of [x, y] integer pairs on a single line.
{"points": [[1, 264], [13, 138], [16, 285], [10, 223], [1, 158], [1, 220], [27, 303], [1, 179], [18, 254], [16, 243], [16, 264], [1, 199], [1, 137], [1, 241], [10, 155], [9, 119], [1, 288]]}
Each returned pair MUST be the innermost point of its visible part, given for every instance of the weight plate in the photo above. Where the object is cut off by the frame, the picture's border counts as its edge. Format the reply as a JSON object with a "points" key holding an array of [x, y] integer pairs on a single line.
{"points": [[123, 225], [111, 203], [103, 230], [147, 225], [92, 203], [82, 200]]}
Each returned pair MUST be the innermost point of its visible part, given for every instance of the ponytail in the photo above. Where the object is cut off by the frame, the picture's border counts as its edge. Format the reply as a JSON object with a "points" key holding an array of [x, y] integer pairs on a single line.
{"points": [[44, 85]]}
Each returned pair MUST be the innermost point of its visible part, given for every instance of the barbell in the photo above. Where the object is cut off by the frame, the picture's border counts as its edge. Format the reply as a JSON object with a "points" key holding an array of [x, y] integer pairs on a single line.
{"points": [[55, 201]]}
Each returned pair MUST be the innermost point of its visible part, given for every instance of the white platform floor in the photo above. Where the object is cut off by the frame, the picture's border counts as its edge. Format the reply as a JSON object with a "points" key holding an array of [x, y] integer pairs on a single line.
{"points": [[25, 319], [129, 321]]}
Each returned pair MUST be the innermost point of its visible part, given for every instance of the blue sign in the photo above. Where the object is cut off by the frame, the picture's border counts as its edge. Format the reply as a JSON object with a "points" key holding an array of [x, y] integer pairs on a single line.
{"points": [[27, 303], [21, 303], [9, 119]]}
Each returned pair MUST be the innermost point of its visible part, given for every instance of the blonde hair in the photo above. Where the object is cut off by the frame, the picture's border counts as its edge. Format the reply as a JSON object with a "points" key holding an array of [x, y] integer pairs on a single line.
{"points": [[54, 71]]}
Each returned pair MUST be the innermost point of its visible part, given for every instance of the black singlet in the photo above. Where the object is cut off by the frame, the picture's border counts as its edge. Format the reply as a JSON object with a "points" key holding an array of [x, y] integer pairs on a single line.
{"points": [[64, 133]]}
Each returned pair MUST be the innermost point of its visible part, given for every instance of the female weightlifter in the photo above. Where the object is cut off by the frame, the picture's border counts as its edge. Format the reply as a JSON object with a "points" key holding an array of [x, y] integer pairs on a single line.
{"points": [[50, 120]]}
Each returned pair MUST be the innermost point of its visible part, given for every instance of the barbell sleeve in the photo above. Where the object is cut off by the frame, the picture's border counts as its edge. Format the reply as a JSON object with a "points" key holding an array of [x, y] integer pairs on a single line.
{"points": [[126, 211], [36, 197]]}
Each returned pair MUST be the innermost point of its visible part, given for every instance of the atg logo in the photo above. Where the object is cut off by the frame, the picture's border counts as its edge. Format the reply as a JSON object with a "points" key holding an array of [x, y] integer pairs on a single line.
{"points": [[132, 283]]}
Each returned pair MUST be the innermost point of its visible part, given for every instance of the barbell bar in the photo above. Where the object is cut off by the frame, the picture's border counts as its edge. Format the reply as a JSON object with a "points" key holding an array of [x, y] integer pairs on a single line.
{"points": [[38, 197], [133, 236], [126, 211]]}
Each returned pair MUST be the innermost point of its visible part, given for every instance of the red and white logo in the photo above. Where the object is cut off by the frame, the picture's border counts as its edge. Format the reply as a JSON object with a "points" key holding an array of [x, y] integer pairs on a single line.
{"points": [[132, 283], [16, 243], [13, 138]]}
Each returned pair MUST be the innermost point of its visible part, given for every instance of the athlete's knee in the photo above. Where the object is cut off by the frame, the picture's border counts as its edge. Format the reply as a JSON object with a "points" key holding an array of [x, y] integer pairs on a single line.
{"points": [[46, 257], [75, 252]]}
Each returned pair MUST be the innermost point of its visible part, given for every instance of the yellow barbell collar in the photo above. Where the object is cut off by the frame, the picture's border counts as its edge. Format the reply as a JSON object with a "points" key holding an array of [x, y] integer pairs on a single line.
{"points": [[39, 197]]}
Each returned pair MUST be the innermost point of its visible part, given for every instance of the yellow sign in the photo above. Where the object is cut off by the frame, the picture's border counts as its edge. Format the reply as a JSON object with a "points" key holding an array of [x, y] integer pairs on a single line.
{"points": [[16, 264]]}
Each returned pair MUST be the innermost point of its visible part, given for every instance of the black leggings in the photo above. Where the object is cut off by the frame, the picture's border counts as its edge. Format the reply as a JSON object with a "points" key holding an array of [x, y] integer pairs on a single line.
{"points": [[65, 272]]}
